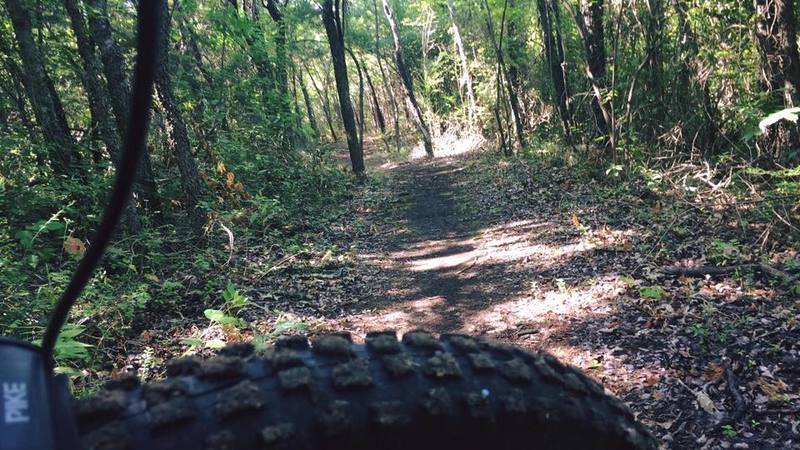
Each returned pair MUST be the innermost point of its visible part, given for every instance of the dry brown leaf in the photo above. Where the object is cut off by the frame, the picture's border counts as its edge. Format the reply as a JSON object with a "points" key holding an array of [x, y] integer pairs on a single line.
{"points": [[74, 246], [773, 388], [713, 372]]}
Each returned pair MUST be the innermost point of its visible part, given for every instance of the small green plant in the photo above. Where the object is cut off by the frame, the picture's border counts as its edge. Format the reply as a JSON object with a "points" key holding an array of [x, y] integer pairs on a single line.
{"points": [[652, 292], [234, 300], [723, 252], [699, 330], [217, 316], [729, 432]]}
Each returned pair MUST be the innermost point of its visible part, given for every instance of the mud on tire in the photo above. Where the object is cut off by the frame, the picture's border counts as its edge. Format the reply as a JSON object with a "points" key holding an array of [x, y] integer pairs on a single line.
{"points": [[422, 392]]}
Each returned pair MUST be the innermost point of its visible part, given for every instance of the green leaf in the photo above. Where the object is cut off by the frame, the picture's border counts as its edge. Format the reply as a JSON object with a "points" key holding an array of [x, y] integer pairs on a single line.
{"points": [[653, 292], [192, 342], [220, 317]]}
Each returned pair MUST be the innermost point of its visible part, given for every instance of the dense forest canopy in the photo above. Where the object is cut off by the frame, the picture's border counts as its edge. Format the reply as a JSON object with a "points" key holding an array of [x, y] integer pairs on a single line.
{"points": [[268, 112]]}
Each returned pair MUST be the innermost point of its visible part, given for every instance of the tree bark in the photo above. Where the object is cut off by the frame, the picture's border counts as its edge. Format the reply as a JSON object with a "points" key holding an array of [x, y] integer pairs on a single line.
{"points": [[332, 19], [41, 92], [693, 76], [377, 112], [594, 44], [281, 65], [497, 44], [177, 135], [361, 124], [312, 120], [387, 87], [119, 93], [465, 82], [555, 61], [97, 93], [405, 77], [776, 37], [323, 99]]}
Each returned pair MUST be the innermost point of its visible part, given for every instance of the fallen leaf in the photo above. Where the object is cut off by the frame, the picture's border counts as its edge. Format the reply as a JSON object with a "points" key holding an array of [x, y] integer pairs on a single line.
{"points": [[74, 246]]}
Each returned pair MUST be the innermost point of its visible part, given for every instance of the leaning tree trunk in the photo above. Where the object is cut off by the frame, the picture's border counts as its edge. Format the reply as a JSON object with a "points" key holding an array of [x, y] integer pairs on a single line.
{"points": [[312, 119], [97, 94], [776, 37], [466, 78], [387, 86], [177, 135], [497, 45], [46, 105], [119, 93], [405, 77], [331, 18], [360, 117], [326, 107], [555, 61], [377, 112]]}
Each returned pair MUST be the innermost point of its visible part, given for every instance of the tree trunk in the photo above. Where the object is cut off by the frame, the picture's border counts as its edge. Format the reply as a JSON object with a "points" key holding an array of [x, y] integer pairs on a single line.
{"points": [[312, 120], [466, 77], [281, 64], [497, 45], [555, 61], [776, 37], [405, 77], [361, 124], [594, 44], [119, 90], [326, 107], [375, 104], [693, 77], [46, 105], [654, 82], [332, 19], [97, 93], [177, 135], [384, 79]]}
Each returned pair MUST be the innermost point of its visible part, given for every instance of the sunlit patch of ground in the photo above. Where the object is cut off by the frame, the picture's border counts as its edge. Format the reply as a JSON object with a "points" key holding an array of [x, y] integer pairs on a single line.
{"points": [[450, 143]]}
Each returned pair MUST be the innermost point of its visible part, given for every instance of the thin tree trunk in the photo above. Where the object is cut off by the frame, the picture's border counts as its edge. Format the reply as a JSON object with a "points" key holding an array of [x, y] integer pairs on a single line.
{"points": [[590, 27], [776, 37], [281, 64], [312, 120], [405, 77], [497, 44], [466, 77], [97, 93], [361, 124], [46, 105], [594, 43], [177, 135], [326, 107], [555, 62], [384, 79], [119, 90], [693, 74], [331, 18], [377, 112]]}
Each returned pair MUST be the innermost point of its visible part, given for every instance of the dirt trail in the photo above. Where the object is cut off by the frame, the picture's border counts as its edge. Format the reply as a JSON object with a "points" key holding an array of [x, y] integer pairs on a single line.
{"points": [[454, 251]]}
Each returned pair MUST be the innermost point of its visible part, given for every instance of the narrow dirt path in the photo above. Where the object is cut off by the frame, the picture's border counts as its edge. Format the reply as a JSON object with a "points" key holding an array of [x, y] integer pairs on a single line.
{"points": [[542, 259]]}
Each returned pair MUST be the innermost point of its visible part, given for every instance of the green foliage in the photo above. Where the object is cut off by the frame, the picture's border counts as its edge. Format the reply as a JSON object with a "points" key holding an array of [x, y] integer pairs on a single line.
{"points": [[723, 252], [652, 292]]}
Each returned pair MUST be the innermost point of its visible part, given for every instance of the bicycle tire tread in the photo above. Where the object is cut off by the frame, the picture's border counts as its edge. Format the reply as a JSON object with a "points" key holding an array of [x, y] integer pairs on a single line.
{"points": [[419, 392]]}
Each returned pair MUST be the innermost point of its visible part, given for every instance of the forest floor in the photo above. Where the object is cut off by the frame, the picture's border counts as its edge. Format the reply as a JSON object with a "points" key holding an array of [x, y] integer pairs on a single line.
{"points": [[534, 254], [540, 258]]}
